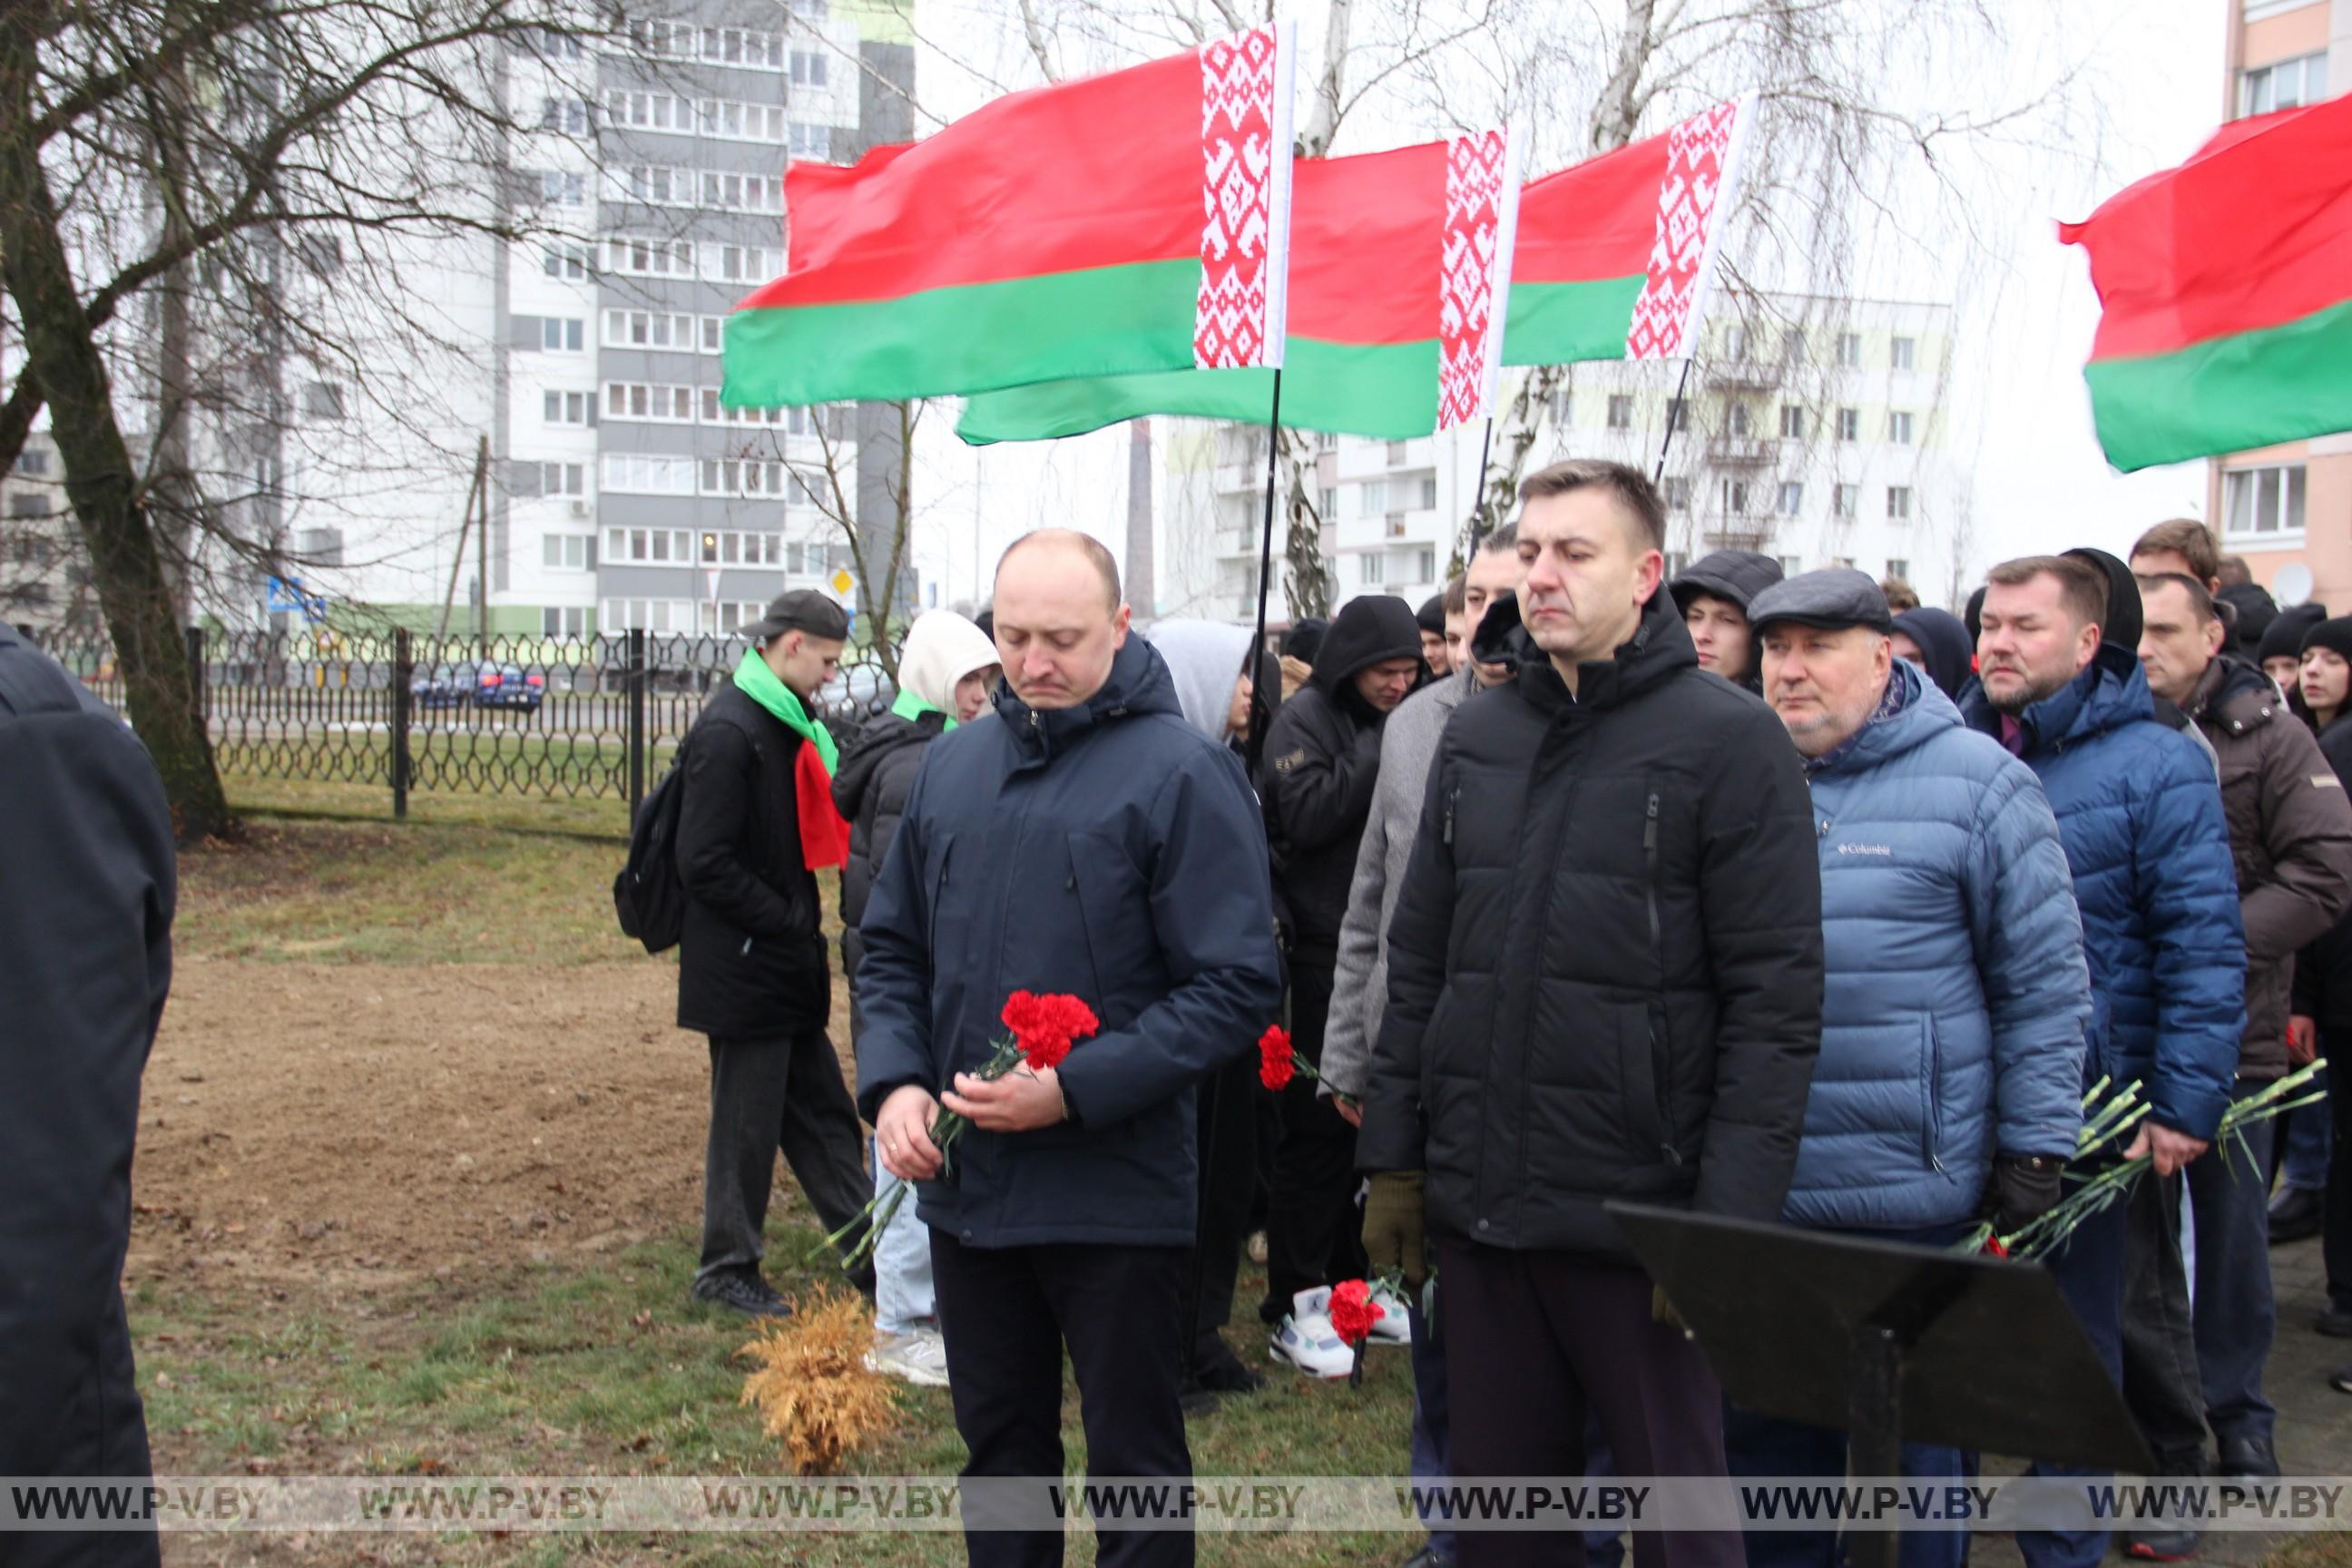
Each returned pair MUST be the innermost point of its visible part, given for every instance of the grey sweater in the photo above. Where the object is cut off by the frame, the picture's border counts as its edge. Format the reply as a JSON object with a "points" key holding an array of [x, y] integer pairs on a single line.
{"points": [[1359, 989]]}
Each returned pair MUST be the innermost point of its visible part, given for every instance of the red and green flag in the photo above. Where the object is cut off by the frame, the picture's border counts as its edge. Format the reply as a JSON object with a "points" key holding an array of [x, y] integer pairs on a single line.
{"points": [[1400, 266], [2226, 294], [1134, 221], [1616, 257]]}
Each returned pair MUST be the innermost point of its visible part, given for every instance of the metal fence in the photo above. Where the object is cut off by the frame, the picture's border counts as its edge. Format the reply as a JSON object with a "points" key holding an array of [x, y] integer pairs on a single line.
{"points": [[577, 718]]}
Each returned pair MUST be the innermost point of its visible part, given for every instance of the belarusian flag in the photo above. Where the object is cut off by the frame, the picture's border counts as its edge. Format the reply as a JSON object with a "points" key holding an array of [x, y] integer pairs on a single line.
{"points": [[1398, 263], [1616, 255], [1055, 232], [2226, 291]]}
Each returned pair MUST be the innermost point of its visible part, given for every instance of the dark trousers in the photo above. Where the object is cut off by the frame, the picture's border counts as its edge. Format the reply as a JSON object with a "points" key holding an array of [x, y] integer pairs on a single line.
{"points": [[1314, 1234], [782, 1093], [1228, 1139], [2090, 1273], [1006, 1313], [1769, 1445], [1432, 1417], [2338, 1234], [1537, 1339], [2187, 1370]]}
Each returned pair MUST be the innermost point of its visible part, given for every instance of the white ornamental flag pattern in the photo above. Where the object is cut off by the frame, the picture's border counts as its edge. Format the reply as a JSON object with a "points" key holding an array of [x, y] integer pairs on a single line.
{"points": [[1693, 200], [1246, 83], [1482, 201]]}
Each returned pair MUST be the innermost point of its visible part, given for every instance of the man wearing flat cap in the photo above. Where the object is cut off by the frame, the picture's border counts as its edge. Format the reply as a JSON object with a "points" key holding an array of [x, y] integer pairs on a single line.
{"points": [[755, 824], [1949, 1085]]}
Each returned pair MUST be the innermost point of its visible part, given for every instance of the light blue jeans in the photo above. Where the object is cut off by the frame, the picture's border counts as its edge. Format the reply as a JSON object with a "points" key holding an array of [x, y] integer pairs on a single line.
{"points": [[903, 1299]]}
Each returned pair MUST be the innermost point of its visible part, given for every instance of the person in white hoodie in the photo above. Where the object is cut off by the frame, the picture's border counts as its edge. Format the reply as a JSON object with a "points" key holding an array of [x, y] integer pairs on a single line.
{"points": [[946, 667], [1208, 663]]}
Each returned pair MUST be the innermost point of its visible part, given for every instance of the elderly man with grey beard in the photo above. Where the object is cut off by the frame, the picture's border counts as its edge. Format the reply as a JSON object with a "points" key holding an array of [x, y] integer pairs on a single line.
{"points": [[1948, 1084]]}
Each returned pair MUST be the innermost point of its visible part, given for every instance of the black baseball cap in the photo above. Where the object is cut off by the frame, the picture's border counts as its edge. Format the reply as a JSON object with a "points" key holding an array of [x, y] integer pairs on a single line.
{"points": [[800, 610]]}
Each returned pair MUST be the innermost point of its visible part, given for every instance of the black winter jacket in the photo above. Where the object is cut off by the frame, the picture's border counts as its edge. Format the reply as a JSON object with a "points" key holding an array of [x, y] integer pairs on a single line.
{"points": [[877, 773], [1605, 967], [1322, 758], [2323, 969], [1110, 851], [87, 891], [752, 960]]}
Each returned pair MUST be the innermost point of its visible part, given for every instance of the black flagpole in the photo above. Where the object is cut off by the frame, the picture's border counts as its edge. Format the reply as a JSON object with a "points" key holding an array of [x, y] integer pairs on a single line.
{"points": [[1478, 503], [1674, 417], [1260, 702]]}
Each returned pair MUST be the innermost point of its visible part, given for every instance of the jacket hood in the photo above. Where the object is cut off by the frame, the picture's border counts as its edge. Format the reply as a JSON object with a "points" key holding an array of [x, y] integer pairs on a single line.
{"points": [[2111, 691], [1371, 629], [1304, 640], [1945, 648], [1659, 647], [1924, 712], [1203, 658], [1139, 683], [2282, 638], [2235, 695], [862, 759], [2253, 610], [2123, 622], [942, 648], [1736, 575]]}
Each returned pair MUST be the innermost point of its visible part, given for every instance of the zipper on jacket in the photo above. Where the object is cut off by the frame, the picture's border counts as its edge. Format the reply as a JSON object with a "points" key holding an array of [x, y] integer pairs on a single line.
{"points": [[1661, 1056], [1452, 799], [1935, 1098]]}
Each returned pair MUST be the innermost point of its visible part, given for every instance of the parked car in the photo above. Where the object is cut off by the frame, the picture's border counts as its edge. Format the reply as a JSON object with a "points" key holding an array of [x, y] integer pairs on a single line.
{"points": [[863, 689], [508, 686], [441, 685]]}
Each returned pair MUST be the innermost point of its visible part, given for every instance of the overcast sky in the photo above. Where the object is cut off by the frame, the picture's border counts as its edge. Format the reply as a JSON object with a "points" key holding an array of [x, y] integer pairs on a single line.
{"points": [[2021, 419]]}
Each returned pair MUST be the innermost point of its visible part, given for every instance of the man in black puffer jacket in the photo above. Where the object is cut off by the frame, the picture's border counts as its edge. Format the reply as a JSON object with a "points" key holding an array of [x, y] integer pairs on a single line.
{"points": [[1604, 981], [756, 820], [1322, 758]]}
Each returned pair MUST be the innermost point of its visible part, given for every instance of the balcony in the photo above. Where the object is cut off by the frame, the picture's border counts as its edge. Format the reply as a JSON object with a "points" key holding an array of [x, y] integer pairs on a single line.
{"points": [[1744, 374], [1741, 451], [1738, 531]]}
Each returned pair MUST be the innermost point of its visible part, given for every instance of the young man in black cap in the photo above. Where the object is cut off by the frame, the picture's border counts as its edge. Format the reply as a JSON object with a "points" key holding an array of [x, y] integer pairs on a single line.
{"points": [[1434, 652], [1712, 595], [756, 824]]}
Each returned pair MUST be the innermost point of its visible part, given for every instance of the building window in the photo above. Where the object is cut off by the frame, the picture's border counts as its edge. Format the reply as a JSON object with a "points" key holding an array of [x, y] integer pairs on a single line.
{"points": [[643, 400], [1739, 423], [562, 478], [562, 190], [1677, 559], [808, 68], [558, 335], [649, 330], [1898, 503], [1677, 492], [1897, 566], [1905, 353], [557, 44], [323, 400], [1790, 565], [1621, 411], [1326, 441], [634, 473], [1793, 421], [33, 464], [1372, 503], [740, 47], [732, 122], [1735, 344], [1396, 454], [1429, 492], [567, 407], [1564, 409], [566, 261], [566, 115], [648, 110], [320, 546], [1899, 427], [1428, 572], [1735, 497], [741, 193], [554, 621], [633, 258], [1849, 423], [1792, 346], [1370, 567], [1327, 504], [749, 264], [568, 551], [1846, 500], [730, 477], [812, 140], [1793, 497], [2263, 500], [24, 504], [1850, 351], [2288, 84]]}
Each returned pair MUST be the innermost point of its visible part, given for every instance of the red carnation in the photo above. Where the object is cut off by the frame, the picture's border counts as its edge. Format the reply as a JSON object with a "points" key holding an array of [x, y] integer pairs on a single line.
{"points": [[1353, 1310], [1044, 1027], [1993, 1248], [1275, 1063]]}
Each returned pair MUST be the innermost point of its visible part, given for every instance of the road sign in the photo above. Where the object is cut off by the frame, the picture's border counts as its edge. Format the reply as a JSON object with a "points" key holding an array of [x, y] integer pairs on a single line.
{"points": [[842, 581], [288, 596]]}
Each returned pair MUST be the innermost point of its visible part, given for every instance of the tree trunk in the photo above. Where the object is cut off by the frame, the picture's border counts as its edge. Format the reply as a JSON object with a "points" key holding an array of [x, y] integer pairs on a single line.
{"points": [[100, 483]]}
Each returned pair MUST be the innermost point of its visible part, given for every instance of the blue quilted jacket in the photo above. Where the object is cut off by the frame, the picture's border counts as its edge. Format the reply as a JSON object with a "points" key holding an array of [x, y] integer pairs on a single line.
{"points": [[2140, 814], [1955, 997]]}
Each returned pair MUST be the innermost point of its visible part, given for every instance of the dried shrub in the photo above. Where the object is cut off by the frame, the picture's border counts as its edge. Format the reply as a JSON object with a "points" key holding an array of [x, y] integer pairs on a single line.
{"points": [[812, 1388]]}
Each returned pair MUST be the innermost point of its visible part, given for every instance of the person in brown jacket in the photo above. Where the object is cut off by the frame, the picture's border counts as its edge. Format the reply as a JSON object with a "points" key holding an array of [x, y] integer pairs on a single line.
{"points": [[2291, 838]]}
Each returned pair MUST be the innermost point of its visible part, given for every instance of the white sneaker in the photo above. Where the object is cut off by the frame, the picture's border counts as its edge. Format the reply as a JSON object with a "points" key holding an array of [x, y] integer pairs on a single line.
{"points": [[919, 1356], [1306, 1339], [1395, 1324]]}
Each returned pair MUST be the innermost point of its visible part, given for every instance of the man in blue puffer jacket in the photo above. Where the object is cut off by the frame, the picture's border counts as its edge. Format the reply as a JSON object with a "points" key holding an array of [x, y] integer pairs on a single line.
{"points": [[2139, 811], [1949, 1081]]}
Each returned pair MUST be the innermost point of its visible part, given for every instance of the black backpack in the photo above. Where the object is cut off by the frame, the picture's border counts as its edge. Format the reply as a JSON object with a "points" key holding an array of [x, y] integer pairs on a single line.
{"points": [[648, 895]]}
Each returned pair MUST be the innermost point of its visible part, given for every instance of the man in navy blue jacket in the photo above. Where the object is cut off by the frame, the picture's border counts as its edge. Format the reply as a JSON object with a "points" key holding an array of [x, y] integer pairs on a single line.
{"points": [[2139, 811], [1083, 839]]}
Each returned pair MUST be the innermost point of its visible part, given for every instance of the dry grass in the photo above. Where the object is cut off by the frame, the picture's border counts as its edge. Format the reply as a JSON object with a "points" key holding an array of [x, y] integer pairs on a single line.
{"points": [[812, 1388]]}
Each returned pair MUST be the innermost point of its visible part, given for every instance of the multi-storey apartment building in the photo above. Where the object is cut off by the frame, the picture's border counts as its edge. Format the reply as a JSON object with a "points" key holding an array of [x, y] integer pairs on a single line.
{"points": [[2290, 505], [1811, 429]]}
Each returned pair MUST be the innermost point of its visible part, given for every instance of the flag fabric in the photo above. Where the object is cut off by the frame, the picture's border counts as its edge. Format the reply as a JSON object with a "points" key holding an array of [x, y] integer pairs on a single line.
{"points": [[2226, 294], [1616, 257], [1134, 221], [1400, 270]]}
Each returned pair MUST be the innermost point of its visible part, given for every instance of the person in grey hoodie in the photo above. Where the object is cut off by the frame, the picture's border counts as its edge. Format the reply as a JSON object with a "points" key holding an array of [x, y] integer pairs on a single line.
{"points": [[1714, 595]]}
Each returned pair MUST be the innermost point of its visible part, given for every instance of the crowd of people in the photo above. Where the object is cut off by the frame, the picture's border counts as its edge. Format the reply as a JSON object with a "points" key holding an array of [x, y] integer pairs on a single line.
{"points": [[1781, 898]]}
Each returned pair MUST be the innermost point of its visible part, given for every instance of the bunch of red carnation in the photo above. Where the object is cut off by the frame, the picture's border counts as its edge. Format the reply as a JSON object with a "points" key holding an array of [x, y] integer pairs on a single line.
{"points": [[1279, 1062], [1044, 1027]]}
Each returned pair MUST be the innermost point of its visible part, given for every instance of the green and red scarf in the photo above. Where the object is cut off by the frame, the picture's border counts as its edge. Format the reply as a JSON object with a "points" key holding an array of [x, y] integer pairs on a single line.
{"points": [[824, 836]]}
